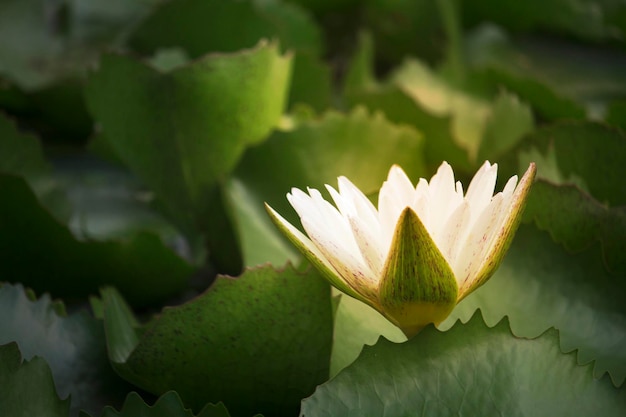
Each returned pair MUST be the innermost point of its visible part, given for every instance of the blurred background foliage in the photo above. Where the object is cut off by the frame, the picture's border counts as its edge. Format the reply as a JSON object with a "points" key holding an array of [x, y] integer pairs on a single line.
{"points": [[139, 140]]}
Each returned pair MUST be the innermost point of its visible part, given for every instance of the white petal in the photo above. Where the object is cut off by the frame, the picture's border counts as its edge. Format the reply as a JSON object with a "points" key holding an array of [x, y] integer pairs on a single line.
{"points": [[363, 220], [476, 243], [509, 188], [443, 199], [480, 190], [321, 218], [506, 225], [421, 201], [345, 261], [369, 245], [454, 232], [395, 195], [363, 206], [332, 234]]}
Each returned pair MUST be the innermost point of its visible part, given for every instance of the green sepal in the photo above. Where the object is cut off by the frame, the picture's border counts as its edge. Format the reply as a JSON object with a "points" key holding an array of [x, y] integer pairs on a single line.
{"points": [[417, 285]]}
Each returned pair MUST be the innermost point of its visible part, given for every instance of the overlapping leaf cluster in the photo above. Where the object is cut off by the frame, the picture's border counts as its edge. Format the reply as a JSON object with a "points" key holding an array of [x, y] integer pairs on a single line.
{"points": [[139, 140]]}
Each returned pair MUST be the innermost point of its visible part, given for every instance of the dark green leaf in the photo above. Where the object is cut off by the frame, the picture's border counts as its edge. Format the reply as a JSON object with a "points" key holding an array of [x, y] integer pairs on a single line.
{"points": [[403, 28], [616, 113], [109, 203], [311, 83], [539, 285], [51, 41], [586, 19], [183, 130], [73, 346], [259, 343], [141, 267], [21, 153], [201, 26], [168, 405], [560, 78], [469, 370], [590, 155], [578, 221], [27, 387]]}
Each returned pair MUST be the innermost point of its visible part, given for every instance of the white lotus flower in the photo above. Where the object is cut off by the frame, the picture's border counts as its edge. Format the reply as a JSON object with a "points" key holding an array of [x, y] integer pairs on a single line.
{"points": [[422, 251]]}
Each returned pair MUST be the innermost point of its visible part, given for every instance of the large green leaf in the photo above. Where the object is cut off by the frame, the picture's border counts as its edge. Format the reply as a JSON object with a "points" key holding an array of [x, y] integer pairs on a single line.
{"points": [[360, 146], [38, 251], [27, 386], [469, 370], [259, 343], [168, 405], [182, 130], [73, 346], [540, 285], [203, 26]]}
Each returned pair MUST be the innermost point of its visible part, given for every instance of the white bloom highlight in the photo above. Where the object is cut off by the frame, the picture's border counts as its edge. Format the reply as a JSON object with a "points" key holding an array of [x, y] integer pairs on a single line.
{"points": [[424, 249]]}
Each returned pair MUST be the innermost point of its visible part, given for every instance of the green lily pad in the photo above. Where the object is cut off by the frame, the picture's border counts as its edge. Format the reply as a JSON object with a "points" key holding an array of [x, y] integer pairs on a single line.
{"points": [[167, 128], [356, 325], [72, 346], [578, 221], [167, 405], [540, 285], [469, 370], [359, 145], [259, 343], [27, 386], [141, 266]]}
